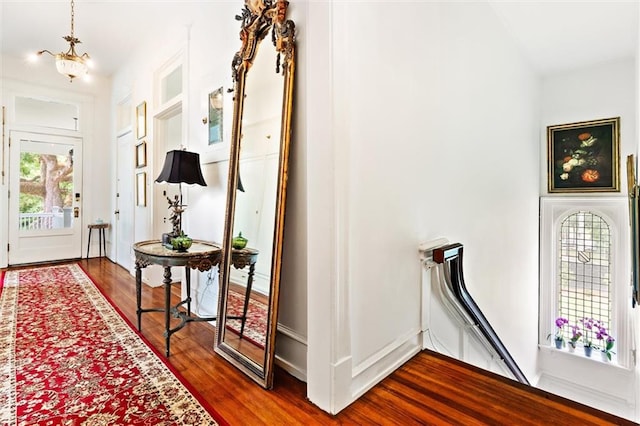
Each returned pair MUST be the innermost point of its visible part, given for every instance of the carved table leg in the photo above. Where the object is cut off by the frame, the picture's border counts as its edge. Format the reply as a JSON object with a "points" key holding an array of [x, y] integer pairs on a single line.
{"points": [[187, 273], [167, 306], [247, 296], [139, 295]]}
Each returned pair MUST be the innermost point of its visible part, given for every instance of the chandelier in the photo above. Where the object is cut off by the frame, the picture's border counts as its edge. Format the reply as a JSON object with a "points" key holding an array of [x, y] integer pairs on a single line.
{"points": [[70, 63]]}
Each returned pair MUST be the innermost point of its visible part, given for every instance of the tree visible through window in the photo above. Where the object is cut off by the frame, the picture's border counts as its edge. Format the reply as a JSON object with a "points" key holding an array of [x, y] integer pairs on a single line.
{"points": [[584, 269], [46, 189]]}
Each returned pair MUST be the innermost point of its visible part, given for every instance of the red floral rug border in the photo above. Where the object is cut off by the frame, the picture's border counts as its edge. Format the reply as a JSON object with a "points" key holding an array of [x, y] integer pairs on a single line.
{"points": [[159, 354], [126, 336]]}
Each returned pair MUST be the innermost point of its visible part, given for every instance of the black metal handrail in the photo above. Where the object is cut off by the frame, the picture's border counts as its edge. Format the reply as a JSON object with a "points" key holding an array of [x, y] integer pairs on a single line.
{"points": [[451, 256]]}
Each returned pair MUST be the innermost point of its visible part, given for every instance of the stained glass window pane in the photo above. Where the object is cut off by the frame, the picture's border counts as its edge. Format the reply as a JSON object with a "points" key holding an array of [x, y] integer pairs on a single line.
{"points": [[584, 268]]}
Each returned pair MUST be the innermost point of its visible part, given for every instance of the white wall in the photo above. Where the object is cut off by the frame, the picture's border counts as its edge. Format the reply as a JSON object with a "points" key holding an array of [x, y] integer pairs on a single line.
{"points": [[433, 128], [206, 42], [603, 91]]}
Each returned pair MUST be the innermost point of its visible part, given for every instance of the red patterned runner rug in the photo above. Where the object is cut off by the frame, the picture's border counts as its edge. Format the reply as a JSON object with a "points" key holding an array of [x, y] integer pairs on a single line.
{"points": [[255, 328], [67, 357]]}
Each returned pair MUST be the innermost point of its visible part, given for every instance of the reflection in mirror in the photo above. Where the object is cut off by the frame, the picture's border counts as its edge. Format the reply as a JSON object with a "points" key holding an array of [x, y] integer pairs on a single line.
{"points": [[254, 223], [258, 165]]}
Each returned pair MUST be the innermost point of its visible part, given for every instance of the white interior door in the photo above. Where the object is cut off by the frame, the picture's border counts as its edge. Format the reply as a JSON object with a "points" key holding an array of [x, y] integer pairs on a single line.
{"points": [[45, 198], [124, 201]]}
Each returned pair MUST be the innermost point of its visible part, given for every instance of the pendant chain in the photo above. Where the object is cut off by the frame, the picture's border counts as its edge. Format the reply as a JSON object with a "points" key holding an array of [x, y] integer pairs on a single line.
{"points": [[72, 16]]}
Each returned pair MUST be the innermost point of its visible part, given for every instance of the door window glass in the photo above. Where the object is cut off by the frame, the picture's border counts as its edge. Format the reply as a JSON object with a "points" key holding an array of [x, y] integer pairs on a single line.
{"points": [[46, 186]]}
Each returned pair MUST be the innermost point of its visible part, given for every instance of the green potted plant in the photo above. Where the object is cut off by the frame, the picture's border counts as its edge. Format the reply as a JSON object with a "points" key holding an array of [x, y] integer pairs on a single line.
{"points": [[182, 242]]}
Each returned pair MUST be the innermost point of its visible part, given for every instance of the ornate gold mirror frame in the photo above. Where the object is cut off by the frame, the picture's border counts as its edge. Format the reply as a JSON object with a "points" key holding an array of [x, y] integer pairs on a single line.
{"points": [[256, 192]]}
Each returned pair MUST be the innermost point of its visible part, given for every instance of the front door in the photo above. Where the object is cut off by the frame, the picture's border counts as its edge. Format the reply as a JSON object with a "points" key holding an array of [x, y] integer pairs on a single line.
{"points": [[45, 198]]}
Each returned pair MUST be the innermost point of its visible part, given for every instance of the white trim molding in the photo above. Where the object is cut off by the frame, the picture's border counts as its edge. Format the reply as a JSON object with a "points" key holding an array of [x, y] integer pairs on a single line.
{"points": [[569, 374]]}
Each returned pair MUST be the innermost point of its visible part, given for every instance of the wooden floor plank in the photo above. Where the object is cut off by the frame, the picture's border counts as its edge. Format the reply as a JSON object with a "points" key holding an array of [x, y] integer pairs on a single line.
{"points": [[430, 389]]}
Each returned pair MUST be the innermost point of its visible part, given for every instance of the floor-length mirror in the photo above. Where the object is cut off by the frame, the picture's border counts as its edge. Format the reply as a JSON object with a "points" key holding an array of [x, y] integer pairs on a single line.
{"points": [[254, 222]]}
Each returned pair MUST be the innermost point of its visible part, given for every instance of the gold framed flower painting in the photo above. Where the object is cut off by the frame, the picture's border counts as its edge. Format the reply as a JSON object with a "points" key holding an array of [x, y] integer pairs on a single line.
{"points": [[584, 156]]}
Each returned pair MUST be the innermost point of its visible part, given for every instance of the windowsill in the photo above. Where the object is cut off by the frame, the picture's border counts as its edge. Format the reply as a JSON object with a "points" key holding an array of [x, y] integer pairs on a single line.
{"points": [[584, 378], [595, 357]]}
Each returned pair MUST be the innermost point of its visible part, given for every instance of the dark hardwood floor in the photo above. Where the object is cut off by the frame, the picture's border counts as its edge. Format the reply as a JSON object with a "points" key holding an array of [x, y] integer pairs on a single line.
{"points": [[428, 390]]}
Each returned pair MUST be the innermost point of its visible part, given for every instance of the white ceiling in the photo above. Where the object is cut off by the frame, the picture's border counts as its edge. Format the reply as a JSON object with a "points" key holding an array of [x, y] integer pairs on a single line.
{"points": [[107, 28], [555, 35], [560, 35]]}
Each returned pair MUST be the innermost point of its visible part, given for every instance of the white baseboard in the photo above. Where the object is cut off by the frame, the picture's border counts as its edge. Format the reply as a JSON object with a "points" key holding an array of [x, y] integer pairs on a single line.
{"points": [[374, 369], [291, 352], [587, 396], [292, 369]]}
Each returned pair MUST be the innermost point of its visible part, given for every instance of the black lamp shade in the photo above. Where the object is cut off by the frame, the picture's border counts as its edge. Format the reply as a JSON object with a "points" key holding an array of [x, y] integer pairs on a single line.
{"points": [[240, 186], [181, 167]]}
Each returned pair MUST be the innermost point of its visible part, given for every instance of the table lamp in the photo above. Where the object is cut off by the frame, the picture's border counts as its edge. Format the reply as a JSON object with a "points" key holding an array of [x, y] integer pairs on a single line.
{"points": [[180, 166]]}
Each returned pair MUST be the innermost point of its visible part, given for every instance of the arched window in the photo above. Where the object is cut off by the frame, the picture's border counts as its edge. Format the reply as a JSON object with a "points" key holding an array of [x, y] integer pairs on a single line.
{"points": [[584, 270], [585, 274], [585, 258]]}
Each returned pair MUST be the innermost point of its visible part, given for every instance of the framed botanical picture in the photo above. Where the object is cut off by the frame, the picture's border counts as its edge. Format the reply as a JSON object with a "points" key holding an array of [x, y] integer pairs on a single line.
{"points": [[584, 156], [141, 189], [141, 154], [216, 107], [141, 120]]}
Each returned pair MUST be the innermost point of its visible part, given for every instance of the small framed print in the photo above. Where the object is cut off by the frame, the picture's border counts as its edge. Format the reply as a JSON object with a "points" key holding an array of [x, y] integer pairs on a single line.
{"points": [[216, 132], [141, 154], [141, 120], [584, 156], [141, 189], [216, 107]]}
